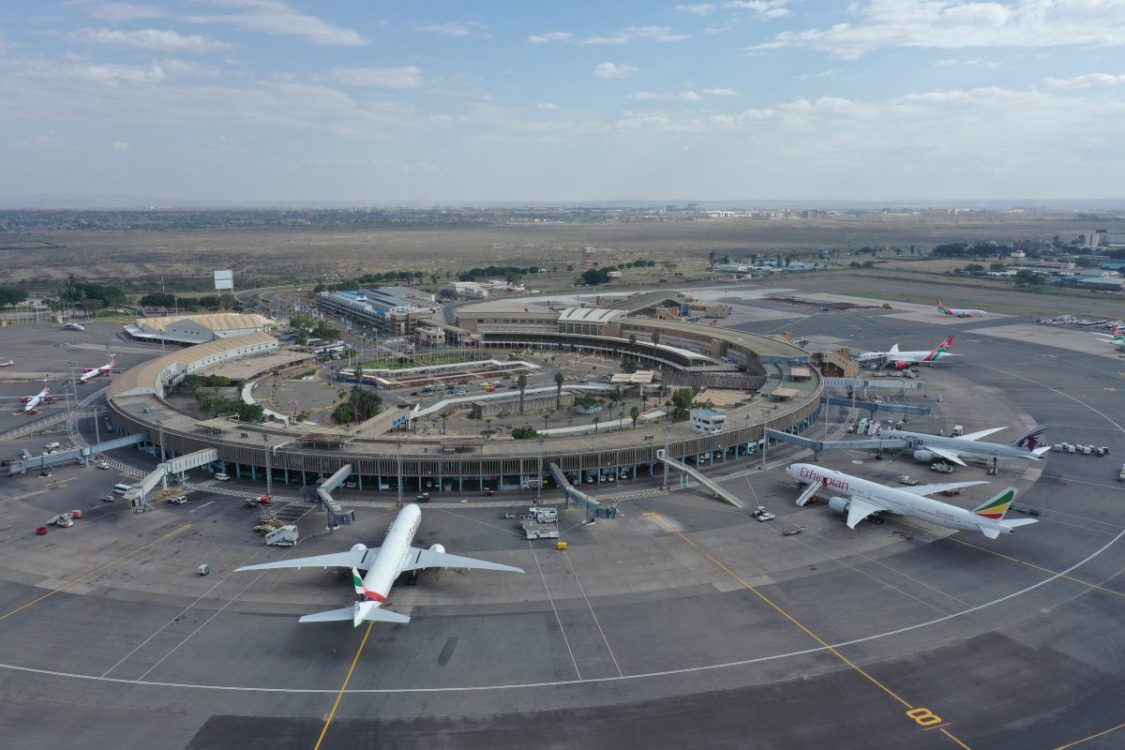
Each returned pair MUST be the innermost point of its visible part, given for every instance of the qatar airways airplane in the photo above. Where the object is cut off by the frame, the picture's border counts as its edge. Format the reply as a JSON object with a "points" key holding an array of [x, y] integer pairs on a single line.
{"points": [[383, 565]]}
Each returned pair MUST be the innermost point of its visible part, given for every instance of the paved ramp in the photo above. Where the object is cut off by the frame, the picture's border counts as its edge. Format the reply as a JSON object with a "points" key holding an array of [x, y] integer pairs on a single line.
{"points": [[698, 476]]}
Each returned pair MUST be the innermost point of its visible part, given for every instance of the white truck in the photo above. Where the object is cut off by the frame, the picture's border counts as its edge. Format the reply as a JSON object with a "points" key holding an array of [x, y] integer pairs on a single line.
{"points": [[540, 522]]}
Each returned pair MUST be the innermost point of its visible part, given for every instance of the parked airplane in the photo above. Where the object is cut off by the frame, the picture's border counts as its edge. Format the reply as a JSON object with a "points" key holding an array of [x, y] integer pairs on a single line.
{"points": [[1115, 337], [9, 363], [383, 565], [92, 372], [44, 396], [901, 360], [929, 448], [960, 312], [73, 327], [870, 500]]}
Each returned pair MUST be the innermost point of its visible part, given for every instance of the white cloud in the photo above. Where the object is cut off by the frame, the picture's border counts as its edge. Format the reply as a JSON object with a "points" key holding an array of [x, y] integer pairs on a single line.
{"points": [[613, 70], [673, 96], [697, 9], [444, 118], [550, 106], [550, 36], [456, 28], [277, 18], [830, 73], [635, 33], [719, 92], [113, 75], [120, 147], [123, 11], [948, 62], [952, 24], [763, 8], [151, 39], [409, 77], [1086, 81]]}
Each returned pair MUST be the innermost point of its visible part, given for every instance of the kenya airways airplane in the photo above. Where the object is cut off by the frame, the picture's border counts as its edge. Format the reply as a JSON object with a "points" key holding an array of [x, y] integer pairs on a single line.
{"points": [[901, 360], [92, 372], [1115, 337], [44, 396], [960, 312]]}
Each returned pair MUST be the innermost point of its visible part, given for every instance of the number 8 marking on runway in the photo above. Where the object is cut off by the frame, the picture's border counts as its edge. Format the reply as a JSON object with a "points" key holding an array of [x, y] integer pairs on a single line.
{"points": [[923, 717]]}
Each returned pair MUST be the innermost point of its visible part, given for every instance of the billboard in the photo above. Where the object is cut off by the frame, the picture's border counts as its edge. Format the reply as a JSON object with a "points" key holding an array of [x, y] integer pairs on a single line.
{"points": [[224, 280]]}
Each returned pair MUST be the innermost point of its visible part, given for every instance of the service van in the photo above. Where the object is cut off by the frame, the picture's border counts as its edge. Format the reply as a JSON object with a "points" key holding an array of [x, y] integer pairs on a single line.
{"points": [[121, 489]]}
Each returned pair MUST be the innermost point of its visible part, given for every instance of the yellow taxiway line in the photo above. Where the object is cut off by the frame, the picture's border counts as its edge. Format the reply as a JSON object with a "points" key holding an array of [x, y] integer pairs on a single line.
{"points": [[340, 694]]}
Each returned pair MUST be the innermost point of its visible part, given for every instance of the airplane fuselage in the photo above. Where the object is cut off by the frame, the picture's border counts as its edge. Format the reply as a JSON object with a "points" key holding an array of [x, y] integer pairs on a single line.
{"points": [[391, 558], [920, 440], [896, 501]]}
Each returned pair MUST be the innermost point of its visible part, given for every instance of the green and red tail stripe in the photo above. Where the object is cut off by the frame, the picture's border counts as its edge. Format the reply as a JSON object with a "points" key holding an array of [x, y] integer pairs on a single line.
{"points": [[997, 506]]}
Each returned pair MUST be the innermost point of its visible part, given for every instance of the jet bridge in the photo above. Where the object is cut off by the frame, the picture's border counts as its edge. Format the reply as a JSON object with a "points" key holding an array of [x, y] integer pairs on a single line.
{"points": [[593, 507], [178, 465], [686, 471], [22, 466], [822, 446], [337, 516], [874, 406]]}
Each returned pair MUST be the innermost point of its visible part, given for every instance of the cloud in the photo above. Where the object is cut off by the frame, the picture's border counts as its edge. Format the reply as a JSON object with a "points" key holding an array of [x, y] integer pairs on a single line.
{"points": [[830, 73], [613, 70], [763, 8], [719, 92], [952, 24], [113, 75], [151, 39], [674, 96], [277, 18], [409, 77], [123, 11], [947, 62], [696, 9], [550, 36], [1086, 81], [456, 28], [550, 106], [120, 147], [634, 33]]}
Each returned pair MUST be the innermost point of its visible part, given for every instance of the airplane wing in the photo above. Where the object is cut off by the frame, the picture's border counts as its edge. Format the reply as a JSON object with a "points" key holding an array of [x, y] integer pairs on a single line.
{"points": [[860, 508], [350, 559], [419, 559], [347, 614], [946, 453], [930, 489], [982, 433]]}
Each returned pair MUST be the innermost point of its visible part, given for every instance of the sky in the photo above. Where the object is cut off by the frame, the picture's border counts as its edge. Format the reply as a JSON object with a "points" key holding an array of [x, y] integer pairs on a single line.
{"points": [[385, 102]]}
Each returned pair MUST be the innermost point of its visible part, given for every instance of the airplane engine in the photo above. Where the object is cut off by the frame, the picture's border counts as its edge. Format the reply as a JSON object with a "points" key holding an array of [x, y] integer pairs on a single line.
{"points": [[900, 365], [839, 504], [359, 548], [924, 456], [437, 548]]}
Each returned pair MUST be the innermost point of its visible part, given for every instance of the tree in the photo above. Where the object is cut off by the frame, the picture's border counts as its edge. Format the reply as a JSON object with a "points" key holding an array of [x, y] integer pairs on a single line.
{"points": [[681, 401], [546, 419], [521, 382], [445, 415], [1024, 277], [11, 295], [656, 337], [632, 339], [363, 403], [524, 433], [559, 380], [595, 421], [634, 414]]}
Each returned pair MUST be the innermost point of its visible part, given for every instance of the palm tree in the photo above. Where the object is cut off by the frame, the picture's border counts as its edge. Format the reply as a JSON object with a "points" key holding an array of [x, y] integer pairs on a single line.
{"points": [[546, 418], [656, 337], [596, 420], [444, 418], [521, 382], [634, 414], [559, 379]]}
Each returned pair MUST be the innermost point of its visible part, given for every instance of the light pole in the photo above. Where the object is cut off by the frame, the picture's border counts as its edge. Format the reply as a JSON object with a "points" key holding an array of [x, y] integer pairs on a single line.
{"points": [[539, 487], [269, 467], [399, 456]]}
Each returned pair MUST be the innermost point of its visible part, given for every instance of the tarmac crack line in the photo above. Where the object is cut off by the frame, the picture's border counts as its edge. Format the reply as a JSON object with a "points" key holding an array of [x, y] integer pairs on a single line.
{"points": [[95, 571], [558, 618], [1084, 740], [592, 613], [823, 643]]}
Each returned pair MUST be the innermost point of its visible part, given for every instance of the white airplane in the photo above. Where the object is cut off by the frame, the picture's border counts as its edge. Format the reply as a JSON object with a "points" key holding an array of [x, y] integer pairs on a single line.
{"points": [[92, 372], [960, 312], [383, 565], [870, 500], [44, 396], [901, 360], [1115, 337], [929, 448], [9, 363], [73, 327]]}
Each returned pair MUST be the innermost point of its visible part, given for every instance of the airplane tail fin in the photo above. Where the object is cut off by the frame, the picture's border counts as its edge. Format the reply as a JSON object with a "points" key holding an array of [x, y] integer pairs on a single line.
{"points": [[893, 349], [1030, 439], [942, 308], [996, 507], [941, 349]]}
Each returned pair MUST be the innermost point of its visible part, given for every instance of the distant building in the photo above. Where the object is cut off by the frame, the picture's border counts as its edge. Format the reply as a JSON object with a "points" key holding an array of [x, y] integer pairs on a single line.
{"points": [[707, 421], [464, 290], [393, 310], [588, 261], [430, 335], [198, 328]]}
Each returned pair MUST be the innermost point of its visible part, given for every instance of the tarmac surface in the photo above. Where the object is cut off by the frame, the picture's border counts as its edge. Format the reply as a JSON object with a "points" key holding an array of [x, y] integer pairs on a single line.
{"points": [[683, 623]]}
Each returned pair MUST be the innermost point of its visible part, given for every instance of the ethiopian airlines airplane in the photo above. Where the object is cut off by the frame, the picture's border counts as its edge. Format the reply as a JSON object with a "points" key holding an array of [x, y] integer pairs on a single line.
{"points": [[901, 360], [867, 500], [383, 565], [960, 312], [92, 372]]}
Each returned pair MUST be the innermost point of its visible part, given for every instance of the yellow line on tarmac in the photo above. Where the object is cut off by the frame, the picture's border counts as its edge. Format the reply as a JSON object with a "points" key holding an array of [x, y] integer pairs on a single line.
{"points": [[823, 643], [1103, 733], [340, 694], [95, 571]]}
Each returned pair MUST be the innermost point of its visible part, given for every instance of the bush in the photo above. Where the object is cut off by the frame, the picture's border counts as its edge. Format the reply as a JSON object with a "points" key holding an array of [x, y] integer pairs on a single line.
{"points": [[362, 404], [525, 433]]}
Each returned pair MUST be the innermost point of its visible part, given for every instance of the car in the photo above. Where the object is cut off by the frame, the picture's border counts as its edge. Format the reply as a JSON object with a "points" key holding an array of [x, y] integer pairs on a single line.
{"points": [[908, 480], [103, 465], [177, 499], [222, 476]]}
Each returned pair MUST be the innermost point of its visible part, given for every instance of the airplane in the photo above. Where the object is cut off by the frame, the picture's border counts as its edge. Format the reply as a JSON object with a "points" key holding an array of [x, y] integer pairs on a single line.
{"points": [[1115, 337], [929, 448], [44, 396], [92, 372], [960, 312], [870, 500], [901, 360], [383, 565], [9, 363], [74, 327]]}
